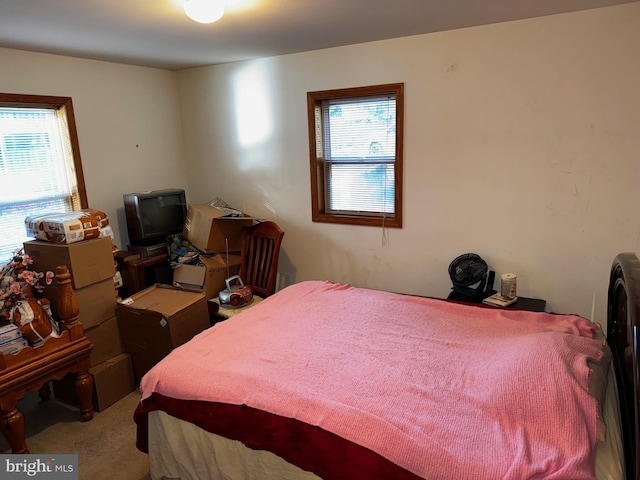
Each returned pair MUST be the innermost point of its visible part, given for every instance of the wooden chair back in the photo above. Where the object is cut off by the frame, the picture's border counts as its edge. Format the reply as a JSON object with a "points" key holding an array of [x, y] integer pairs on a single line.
{"points": [[259, 257]]}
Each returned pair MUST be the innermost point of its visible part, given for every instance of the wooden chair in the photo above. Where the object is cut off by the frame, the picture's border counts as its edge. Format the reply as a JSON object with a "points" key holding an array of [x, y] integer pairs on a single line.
{"points": [[260, 251]]}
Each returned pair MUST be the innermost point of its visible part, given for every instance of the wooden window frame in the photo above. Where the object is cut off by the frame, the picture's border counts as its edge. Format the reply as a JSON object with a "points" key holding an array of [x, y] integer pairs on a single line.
{"points": [[64, 105], [319, 211]]}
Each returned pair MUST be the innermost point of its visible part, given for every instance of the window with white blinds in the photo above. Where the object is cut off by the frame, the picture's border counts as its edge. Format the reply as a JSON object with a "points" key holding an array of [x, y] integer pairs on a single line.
{"points": [[355, 140], [39, 164]]}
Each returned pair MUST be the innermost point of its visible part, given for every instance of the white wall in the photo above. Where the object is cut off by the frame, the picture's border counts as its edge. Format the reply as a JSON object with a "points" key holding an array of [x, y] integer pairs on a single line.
{"points": [[128, 121], [521, 145]]}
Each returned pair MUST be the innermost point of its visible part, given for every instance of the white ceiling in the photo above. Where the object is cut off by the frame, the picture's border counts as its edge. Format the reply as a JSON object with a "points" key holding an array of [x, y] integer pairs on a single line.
{"points": [[157, 33]]}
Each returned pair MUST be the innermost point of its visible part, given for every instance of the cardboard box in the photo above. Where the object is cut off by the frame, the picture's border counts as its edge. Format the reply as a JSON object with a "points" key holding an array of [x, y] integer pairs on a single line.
{"points": [[13, 346], [10, 332], [97, 302], [89, 262], [158, 319], [112, 381], [209, 229], [210, 278], [106, 341]]}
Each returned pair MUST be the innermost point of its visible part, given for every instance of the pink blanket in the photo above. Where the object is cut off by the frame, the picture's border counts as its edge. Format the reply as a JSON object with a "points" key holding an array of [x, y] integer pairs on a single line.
{"points": [[444, 390]]}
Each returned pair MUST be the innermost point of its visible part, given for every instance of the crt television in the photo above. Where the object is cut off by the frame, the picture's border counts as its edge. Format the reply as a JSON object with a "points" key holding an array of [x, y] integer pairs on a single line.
{"points": [[152, 216]]}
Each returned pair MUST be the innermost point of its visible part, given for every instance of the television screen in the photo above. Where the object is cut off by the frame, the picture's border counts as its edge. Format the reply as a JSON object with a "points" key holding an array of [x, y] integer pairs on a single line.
{"points": [[152, 216]]}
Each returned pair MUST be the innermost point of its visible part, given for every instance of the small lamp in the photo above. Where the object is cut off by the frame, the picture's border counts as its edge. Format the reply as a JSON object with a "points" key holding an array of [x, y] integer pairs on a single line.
{"points": [[204, 11]]}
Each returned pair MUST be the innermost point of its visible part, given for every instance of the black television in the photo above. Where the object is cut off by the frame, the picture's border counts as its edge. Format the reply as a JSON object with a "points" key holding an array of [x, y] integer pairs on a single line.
{"points": [[153, 216]]}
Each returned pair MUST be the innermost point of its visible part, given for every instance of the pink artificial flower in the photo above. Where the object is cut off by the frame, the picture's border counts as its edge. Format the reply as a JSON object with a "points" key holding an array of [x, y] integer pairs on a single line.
{"points": [[13, 284], [29, 277]]}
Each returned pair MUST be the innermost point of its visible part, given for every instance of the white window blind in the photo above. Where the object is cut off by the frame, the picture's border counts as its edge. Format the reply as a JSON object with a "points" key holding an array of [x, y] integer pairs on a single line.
{"points": [[36, 168], [359, 144]]}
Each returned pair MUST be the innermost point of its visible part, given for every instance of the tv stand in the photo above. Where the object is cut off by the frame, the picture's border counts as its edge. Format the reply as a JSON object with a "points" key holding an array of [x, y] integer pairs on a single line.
{"points": [[149, 251], [141, 273]]}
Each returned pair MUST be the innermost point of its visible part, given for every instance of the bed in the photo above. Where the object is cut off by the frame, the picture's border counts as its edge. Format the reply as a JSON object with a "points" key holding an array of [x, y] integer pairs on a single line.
{"points": [[323, 380]]}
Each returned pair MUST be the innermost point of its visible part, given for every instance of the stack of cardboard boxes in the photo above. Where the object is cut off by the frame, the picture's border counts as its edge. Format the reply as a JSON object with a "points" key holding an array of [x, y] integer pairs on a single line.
{"points": [[162, 317], [92, 269], [131, 336]]}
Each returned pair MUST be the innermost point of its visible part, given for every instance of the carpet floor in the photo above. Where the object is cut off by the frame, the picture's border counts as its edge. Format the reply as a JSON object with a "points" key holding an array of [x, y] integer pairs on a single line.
{"points": [[105, 445]]}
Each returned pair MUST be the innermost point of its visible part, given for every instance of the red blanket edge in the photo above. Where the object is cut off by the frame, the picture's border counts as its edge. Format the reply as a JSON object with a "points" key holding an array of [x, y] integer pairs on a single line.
{"points": [[310, 448]]}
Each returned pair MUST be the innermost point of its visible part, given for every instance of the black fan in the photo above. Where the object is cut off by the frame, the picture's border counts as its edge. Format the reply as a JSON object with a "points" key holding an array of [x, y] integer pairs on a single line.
{"points": [[468, 272]]}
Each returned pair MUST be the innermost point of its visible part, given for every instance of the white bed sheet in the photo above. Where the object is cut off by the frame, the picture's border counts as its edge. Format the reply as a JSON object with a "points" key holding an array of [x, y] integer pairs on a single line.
{"points": [[181, 450]]}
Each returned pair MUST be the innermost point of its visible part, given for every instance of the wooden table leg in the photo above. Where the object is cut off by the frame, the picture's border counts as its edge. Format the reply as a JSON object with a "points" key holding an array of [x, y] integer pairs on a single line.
{"points": [[45, 392], [12, 427], [84, 390]]}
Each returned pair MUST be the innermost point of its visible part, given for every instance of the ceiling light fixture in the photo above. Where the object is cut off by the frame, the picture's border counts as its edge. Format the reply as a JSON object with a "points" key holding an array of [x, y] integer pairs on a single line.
{"points": [[204, 11]]}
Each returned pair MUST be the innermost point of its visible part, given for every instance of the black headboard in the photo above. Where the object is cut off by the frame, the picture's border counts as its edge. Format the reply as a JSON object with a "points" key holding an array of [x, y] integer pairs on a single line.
{"points": [[622, 336]]}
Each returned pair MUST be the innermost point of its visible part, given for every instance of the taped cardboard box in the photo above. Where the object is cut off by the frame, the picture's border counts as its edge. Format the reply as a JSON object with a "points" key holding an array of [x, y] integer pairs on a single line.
{"points": [[112, 381], [97, 302], [214, 230], [105, 339], [210, 277], [158, 319], [88, 262]]}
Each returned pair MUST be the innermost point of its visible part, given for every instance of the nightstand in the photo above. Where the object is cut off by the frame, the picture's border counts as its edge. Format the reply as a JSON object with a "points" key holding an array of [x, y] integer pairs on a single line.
{"points": [[523, 303], [530, 304]]}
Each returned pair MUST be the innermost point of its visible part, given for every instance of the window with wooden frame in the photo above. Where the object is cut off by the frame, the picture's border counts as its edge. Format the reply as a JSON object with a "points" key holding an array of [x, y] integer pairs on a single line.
{"points": [[40, 167], [355, 144]]}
